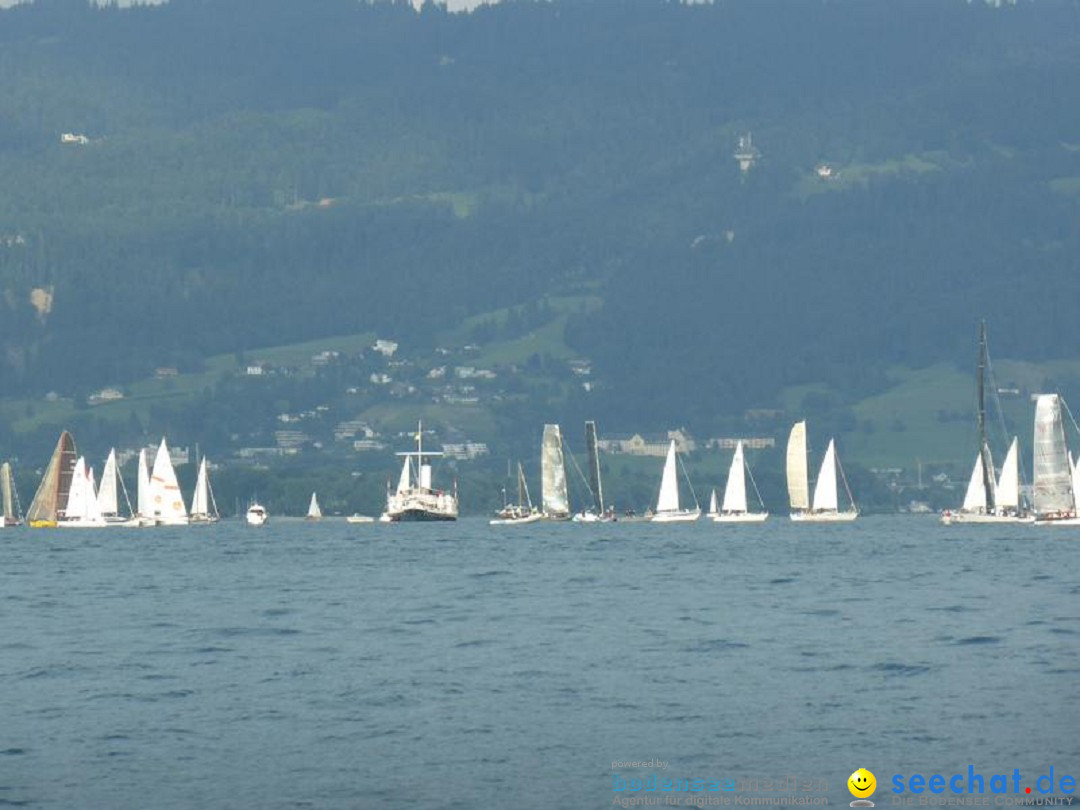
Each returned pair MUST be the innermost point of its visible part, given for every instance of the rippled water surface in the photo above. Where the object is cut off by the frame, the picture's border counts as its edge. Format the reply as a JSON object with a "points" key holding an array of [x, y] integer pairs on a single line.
{"points": [[335, 665]]}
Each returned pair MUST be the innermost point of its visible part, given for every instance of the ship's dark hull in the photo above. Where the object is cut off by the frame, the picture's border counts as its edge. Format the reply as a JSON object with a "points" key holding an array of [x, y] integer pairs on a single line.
{"points": [[420, 516]]}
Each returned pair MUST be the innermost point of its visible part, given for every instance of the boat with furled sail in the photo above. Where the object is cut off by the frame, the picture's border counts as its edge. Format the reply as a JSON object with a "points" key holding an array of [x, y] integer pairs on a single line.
{"points": [[597, 511], [514, 514]]}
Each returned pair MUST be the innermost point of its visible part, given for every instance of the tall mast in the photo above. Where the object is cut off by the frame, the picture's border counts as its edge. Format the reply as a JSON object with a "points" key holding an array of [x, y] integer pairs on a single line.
{"points": [[984, 447], [594, 467]]}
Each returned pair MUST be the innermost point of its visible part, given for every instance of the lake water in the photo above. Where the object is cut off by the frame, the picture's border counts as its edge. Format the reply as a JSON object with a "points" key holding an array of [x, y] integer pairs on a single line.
{"points": [[467, 666]]}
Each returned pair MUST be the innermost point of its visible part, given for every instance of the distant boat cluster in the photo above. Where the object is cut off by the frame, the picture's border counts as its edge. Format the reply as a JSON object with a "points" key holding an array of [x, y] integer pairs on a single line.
{"points": [[69, 497], [1055, 493], [555, 499]]}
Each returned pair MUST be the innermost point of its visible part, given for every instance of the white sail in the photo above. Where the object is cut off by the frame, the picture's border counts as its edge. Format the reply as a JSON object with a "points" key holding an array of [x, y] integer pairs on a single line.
{"points": [[166, 501], [668, 501], [713, 508], [201, 498], [82, 505], [1076, 481], [975, 497], [405, 479], [797, 476], [825, 488], [735, 491], [80, 492], [92, 513], [1052, 491], [142, 496], [554, 496], [313, 510], [1008, 487], [7, 490], [108, 502], [203, 506]]}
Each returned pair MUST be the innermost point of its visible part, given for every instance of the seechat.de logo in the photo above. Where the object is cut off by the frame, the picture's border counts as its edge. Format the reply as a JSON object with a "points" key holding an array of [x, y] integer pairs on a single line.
{"points": [[975, 782], [862, 785]]}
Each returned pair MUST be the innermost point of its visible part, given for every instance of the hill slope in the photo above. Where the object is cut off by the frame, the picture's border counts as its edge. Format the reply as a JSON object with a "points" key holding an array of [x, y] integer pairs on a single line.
{"points": [[259, 172]]}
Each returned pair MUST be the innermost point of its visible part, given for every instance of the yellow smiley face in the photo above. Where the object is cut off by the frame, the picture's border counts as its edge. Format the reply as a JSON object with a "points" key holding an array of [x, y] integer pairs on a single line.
{"points": [[861, 783]]}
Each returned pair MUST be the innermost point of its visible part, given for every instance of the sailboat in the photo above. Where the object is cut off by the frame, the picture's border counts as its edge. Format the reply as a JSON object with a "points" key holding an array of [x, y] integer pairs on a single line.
{"points": [[51, 499], [1054, 501], [734, 508], [1008, 487], [313, 510], [82, 509], [554, 498], [166, 502], [714, 505], [984, 501], [596, 511], [108, 496], [415, 499], [9, 497], [203, 506], [513, 514], [667, 504], [825, 505]]}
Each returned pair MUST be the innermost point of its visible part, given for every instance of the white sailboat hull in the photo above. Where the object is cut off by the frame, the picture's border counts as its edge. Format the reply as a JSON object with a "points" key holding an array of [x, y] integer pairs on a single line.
{"points": [[681, 516], [824, 517], [127, 523], [741, 517], [1064, 521], [359, 519], [591, 517], [535, 517], [949, 518]]}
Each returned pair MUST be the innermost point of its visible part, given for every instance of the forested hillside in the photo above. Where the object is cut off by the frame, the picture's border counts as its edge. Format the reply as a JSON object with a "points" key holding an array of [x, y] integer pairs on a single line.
{"points": [[259, 172]]}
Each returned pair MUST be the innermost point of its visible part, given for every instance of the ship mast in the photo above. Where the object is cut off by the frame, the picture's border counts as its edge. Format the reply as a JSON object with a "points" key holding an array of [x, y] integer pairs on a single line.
{"points": [[984, 447]]}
